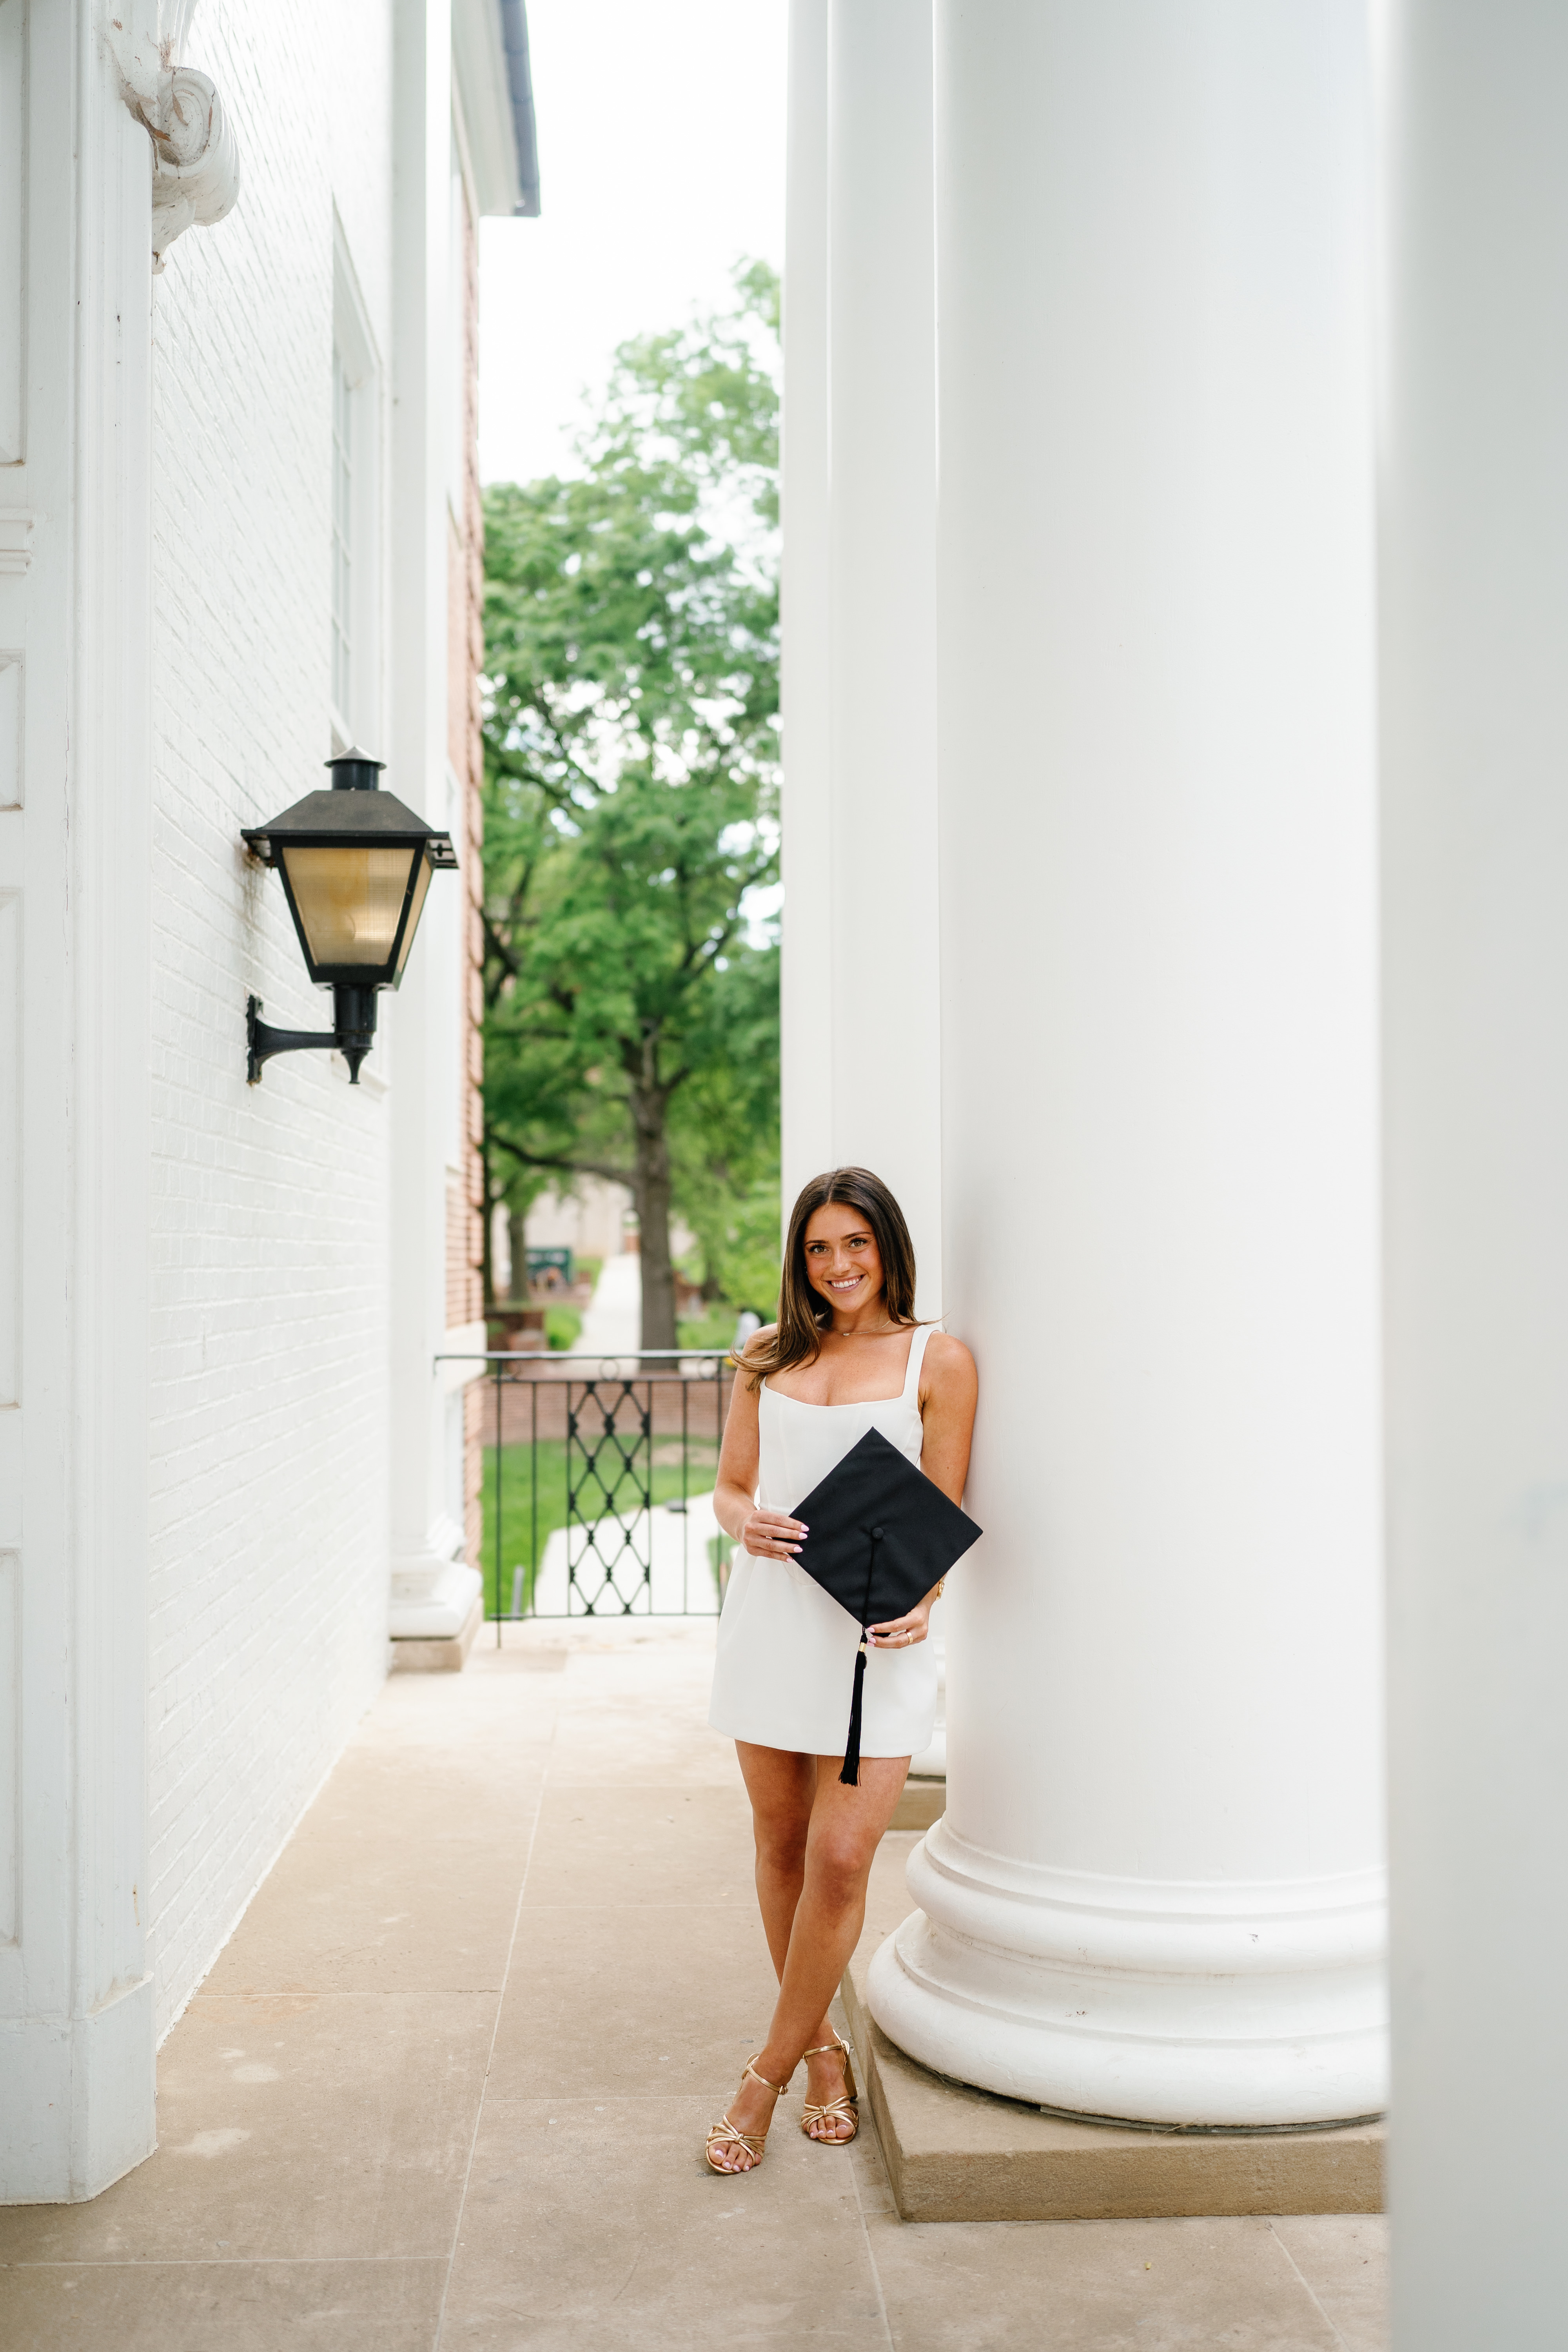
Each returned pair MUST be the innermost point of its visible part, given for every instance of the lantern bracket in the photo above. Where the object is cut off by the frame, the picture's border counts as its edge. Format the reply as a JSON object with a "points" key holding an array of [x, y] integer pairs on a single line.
{"points": [[351, 1036]]}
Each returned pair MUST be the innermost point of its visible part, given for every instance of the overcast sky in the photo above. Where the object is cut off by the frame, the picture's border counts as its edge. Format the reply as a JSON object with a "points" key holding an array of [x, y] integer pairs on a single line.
{"points": [[661, 134]]}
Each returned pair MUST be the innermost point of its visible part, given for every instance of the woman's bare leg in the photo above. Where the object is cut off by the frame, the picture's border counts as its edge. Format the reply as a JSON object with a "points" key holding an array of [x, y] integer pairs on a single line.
{"points": [[781, 1786], [846, 1825], [828, 1914]]}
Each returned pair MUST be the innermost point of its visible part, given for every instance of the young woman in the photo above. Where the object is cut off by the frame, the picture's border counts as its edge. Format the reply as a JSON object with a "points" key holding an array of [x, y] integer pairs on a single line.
{"points": [[845, 1356]]}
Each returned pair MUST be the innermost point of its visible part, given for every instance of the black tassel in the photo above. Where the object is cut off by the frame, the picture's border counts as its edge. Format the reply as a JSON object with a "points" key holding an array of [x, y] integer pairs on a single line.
{"points": [[850, 1774]]}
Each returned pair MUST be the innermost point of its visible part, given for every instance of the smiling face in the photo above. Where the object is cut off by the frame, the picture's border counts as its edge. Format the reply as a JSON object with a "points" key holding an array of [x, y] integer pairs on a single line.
{"points": [[842, 1263]]}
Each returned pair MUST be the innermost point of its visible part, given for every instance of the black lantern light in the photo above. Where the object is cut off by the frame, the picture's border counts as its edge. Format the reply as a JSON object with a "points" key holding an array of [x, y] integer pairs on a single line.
{"points": [[356, 864]]}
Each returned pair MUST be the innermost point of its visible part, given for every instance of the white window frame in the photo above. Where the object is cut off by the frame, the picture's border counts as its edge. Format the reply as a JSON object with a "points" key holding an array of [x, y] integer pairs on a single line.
{"points": [[449, 946], [463, 210], [456, 352], [356, 367], [343, 569]]}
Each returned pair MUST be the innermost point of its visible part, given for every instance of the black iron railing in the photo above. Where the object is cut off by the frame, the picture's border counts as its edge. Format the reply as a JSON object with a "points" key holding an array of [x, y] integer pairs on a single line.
{"points": [[598, 1483]]}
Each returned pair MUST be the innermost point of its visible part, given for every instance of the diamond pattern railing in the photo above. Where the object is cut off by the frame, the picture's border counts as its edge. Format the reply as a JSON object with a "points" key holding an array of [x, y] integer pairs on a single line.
{"points": [[609, 1518], [598, 1483]]}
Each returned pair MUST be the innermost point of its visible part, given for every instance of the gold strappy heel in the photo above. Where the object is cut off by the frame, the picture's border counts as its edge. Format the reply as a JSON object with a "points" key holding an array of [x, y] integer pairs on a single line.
{"points": [[751, 2141], [846, 2104]]}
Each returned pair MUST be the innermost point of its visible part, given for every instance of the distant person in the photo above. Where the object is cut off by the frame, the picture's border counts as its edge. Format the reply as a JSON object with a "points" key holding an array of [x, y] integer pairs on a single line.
{"points": [[845, 1356], [746, 1322]]}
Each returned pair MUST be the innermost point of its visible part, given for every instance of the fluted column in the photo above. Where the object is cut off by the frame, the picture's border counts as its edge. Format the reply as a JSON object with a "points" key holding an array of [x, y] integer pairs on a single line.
{"points": [[861, 1079], [1473, 499], [1158, 1890]]}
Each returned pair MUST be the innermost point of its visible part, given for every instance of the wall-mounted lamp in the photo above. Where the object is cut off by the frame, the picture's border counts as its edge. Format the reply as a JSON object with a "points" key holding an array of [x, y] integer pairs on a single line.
{"points": [[356, 864]]}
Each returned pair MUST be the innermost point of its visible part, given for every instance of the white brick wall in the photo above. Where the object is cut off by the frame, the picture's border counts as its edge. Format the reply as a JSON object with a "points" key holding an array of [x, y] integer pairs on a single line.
{"points": [[270, 1205]]}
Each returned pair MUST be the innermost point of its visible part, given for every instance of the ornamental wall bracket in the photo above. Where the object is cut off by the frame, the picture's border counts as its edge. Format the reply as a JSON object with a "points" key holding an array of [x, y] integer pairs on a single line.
{"points": [[195, 162]]}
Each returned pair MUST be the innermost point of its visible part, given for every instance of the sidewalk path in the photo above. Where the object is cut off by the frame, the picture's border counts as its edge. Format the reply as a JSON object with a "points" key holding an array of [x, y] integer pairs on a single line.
{"points": [[612, 1322], [678, 1545], [447, 2083]]}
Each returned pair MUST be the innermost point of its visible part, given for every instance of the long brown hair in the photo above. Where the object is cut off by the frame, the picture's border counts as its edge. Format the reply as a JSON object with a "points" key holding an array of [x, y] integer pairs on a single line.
{"points": [[803, 1315]]}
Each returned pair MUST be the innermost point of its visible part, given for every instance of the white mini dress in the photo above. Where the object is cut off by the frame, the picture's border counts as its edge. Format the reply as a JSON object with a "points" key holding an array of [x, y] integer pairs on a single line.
{"points": [[784, 1674]]}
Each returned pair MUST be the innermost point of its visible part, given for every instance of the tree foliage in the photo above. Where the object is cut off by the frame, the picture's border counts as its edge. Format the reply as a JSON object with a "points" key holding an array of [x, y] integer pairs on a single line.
{"points": [[631, 627]]}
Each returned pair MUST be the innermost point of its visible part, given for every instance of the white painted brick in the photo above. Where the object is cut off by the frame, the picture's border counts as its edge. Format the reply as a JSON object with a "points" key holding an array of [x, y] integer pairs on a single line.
{"points": [[269, 1205]]}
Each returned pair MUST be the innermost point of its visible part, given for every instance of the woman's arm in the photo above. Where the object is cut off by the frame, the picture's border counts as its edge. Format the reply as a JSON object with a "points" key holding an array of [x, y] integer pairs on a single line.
{"points": [[769, 1535], [949, 1389]]}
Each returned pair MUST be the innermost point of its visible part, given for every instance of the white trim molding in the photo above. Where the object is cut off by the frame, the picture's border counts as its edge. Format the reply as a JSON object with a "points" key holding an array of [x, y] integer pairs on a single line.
{"points": [[482, 101], [16, 529], [76, 2021]]}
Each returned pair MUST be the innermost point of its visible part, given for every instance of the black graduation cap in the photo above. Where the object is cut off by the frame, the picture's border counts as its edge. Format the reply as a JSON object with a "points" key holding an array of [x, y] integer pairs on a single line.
{"points": [[879, 1535]]}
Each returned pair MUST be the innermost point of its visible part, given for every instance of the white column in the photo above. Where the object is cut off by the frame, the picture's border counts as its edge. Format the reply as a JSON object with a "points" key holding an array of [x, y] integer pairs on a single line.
{"points": [[76, 1989], [806, 975], [1157, 1892], [1474, 498], [878, 857], [861, 1002], [433, 1591]]}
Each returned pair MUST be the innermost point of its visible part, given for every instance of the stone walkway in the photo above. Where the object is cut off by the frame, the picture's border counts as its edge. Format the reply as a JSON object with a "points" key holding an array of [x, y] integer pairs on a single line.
{"points": [[446, 2086], [612, 1321]]}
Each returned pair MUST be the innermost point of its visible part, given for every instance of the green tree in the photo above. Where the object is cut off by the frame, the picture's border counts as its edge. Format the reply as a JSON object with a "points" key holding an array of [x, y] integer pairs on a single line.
{"points": [[631, 626], [724, 1138]]}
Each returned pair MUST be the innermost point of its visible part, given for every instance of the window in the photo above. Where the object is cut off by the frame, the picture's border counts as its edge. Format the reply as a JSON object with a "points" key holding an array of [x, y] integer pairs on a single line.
{"points": [[358, 712]]}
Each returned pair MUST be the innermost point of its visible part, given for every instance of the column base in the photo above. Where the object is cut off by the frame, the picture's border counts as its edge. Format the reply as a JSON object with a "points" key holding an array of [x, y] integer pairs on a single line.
{"points": [[1221, 2006], [433, 1597], [443, 1653]]}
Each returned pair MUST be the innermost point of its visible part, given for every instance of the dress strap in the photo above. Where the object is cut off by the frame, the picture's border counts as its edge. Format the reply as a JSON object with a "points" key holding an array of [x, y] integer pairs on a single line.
{"points": [[917, 1355]]}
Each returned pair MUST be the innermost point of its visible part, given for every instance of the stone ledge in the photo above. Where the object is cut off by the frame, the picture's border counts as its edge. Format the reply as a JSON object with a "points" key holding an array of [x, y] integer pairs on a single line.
{"points": [[958, 2155], [921, 1803], [437, 1654]]}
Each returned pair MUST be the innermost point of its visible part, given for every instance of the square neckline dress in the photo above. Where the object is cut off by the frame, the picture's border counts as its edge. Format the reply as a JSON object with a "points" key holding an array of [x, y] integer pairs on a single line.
{"points": [[784, 1673]]}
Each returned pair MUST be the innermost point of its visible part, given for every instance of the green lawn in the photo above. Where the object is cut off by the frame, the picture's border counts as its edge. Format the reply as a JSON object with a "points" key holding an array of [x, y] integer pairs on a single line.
{"points": [[524, 1539], [562, 1327]]}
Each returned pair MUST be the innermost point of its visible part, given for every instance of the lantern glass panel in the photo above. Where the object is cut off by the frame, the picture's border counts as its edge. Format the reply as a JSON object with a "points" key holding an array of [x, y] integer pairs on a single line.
{"points": [[421, 884], [351, 901]]}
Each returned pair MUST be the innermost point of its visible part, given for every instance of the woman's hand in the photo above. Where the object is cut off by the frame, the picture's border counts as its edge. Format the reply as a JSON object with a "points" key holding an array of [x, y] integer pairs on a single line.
{"points": [[902, 1632], [772, 1535]]}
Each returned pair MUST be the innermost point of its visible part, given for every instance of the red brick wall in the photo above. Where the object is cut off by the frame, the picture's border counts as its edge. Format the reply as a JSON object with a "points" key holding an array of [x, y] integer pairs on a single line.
{"points": [[464, 609]]}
